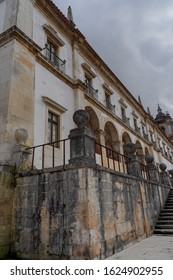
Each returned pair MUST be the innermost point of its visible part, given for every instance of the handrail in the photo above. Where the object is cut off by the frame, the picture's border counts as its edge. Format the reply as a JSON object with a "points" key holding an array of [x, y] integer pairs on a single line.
{"points": [[54, 145]]}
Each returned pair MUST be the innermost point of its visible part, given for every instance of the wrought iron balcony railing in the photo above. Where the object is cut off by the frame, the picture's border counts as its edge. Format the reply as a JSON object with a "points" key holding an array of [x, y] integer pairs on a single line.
{"points": [[126, 120], [137, 129], [54, 59], [110, 107], [93, 92], [145, 136], [154, 143]]}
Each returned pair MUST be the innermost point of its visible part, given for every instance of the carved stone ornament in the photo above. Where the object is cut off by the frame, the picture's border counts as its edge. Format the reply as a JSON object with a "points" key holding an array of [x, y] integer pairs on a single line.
{"points": [[149, 159], [21, 135], [163, 167], [81, 118], [130, 148]]}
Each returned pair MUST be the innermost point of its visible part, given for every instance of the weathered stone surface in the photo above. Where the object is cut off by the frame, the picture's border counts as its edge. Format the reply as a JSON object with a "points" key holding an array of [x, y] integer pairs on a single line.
{"points": [[83, 213]]}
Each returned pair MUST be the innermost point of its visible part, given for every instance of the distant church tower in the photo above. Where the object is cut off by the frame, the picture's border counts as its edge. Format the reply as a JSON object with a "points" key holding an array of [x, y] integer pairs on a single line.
{"points": [[165, 122]]}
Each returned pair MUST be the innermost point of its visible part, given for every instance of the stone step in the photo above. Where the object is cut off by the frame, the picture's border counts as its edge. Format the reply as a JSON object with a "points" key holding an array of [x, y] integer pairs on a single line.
{"points": [[169, 204], [166, 214], [164, 226], [166, 210], [164, 218], [163, 222], [163, 231]]}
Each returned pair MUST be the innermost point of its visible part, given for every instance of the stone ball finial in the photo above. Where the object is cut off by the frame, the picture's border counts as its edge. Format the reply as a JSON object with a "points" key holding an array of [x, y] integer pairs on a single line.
{"points": [[162, 167], [130, 148], [21, 135], [149, 159], [81, 118]]}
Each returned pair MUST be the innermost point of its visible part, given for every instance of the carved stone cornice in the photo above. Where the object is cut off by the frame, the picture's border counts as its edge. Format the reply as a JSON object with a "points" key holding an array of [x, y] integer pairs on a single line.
{"points": [[15, 33]]}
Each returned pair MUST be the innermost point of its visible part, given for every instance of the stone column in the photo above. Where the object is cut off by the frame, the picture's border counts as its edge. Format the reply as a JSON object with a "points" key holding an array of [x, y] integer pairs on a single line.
{"points": [[133, 165], [82, 141], [164, 176], [152, 169]]}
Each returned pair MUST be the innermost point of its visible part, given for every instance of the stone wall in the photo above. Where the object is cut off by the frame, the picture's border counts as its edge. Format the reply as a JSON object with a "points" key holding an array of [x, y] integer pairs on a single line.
{"points": [[82, 213], [7, 187]]}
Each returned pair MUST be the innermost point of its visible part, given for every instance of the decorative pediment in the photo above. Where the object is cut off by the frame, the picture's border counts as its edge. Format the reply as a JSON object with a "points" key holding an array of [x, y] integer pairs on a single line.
{"points": [[107, 89], [52, 34], [52, 103], [134, 114], [122, 103], [88, 70]]}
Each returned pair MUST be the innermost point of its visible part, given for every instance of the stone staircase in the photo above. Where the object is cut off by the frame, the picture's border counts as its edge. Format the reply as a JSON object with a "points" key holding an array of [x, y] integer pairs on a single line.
{"points": [[164, 224]]}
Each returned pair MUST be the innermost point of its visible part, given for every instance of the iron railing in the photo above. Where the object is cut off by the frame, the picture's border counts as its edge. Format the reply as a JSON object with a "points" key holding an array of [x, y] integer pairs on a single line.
{"points": [[54, 59], [57, 153], [108, 158], [110, 107], [126, 120], [49, 154], [145, 136], [154, 143], [137, 129], [93, 92]]}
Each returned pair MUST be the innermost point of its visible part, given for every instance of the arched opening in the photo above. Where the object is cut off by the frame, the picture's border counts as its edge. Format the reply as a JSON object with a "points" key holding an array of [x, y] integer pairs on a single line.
{"points": [[111, 140], [146, 151], [125, 139], [111, 136]]}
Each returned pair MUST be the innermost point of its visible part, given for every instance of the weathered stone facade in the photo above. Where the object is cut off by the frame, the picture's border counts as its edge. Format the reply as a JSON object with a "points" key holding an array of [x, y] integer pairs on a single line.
{"points": [[7, 189], [82, 210], [82, 213]]}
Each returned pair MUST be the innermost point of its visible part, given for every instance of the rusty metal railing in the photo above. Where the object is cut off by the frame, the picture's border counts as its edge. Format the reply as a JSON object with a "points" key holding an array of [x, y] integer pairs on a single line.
{"points": [[55, 155], [108, 158]]}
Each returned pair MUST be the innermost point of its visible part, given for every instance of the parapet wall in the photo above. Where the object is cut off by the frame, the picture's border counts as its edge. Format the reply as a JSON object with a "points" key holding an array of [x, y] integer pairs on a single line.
{"points": [[82, 212]]}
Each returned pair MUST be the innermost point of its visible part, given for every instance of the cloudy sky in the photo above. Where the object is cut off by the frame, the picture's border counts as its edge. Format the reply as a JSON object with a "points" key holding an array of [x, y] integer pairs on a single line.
{"points": [[135, 39]]}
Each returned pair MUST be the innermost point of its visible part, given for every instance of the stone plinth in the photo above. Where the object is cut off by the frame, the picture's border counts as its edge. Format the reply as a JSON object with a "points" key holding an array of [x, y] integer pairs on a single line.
{"points": [[133, 164], [152, 169], [82, 146], [164, 176]]}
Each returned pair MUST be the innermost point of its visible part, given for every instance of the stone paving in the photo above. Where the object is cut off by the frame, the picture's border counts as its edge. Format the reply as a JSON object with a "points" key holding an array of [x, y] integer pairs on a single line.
{"points": [[156, 247]]}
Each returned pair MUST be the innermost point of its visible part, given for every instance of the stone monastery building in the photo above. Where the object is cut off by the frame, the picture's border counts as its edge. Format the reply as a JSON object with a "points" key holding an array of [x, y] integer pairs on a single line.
{"points": [[48, 71]]}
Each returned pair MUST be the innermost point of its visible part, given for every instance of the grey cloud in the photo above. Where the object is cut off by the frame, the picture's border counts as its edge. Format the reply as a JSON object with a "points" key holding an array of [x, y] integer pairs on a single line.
{"points": [[135, 39]]}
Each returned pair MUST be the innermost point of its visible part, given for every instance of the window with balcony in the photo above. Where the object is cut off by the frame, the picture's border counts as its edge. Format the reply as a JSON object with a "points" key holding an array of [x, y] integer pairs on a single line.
{"points": [[108, 93], [152, 139], [108, 103], [51, 51], [137, 129], [53, 47], [145, 135], [124, 118], [52, 55], [88, 84]]}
